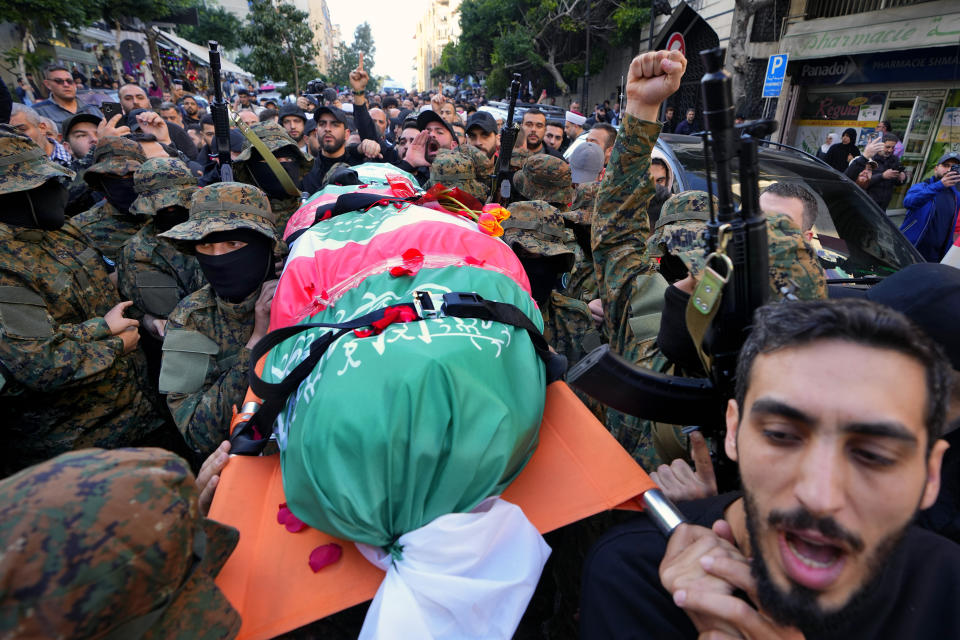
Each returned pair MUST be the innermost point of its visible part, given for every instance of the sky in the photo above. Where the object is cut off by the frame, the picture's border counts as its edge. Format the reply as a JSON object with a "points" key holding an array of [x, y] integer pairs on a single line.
{"points": [[393, 31]]}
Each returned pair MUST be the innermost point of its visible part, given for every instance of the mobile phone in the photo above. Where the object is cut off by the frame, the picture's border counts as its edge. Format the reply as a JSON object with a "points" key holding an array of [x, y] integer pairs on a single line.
{"points": [[955, 168], [110, 109]]}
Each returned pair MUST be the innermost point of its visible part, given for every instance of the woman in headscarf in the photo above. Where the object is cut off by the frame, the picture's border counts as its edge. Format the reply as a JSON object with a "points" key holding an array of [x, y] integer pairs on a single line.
{"points": [[840, 154], [829, 142]]}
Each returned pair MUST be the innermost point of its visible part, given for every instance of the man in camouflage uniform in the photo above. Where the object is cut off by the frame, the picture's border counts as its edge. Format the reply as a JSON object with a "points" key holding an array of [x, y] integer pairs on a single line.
{"points": [[102, 544], [544, 177], [466, 168], [582, 283], [71, 375], [536, 234], [249, 167], [151, 271], [209, 335], [109, 223], [630, 284]]}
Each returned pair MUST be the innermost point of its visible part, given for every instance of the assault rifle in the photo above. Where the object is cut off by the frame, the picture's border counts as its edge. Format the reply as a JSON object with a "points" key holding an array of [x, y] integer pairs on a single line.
{"points": [[734, 283], [220, 115], [500, 188]]}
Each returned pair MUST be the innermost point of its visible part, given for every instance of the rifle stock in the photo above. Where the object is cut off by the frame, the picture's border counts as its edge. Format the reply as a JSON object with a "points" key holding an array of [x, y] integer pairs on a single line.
{"points": [[500, 190], [645, 393], [221, 118]]}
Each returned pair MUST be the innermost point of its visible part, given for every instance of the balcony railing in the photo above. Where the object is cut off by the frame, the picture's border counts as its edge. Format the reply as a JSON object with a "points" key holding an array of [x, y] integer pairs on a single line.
{"points": [[834, 8]]}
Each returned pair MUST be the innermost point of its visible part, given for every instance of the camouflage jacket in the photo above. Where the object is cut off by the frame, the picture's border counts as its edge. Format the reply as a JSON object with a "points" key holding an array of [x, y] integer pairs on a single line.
{"points": [[154, 274], [205, 365], [64, 381], [568, 327], [620, 230], [109, 229], [283, 210]]}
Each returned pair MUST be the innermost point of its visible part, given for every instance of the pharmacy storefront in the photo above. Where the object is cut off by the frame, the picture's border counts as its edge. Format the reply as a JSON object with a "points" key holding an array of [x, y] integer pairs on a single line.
{"points": [[901, 65]]}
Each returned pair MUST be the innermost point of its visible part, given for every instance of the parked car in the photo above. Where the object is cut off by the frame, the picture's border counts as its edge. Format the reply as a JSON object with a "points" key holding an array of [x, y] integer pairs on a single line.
{"points": [[855, 240]]}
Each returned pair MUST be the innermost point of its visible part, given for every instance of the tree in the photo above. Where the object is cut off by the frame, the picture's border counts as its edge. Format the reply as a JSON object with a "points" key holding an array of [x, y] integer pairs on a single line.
{"points": [[543, 39], [281, 43], [738, 59], [37, 17], [348, 57], [214, 24]]}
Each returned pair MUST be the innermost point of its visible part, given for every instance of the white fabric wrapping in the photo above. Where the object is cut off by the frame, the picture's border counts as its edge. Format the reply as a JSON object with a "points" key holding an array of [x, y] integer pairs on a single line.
{"points": [[464, 575]]}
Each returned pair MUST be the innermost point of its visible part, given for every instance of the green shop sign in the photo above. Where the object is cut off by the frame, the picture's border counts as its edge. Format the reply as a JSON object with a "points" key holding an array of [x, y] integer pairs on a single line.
{"points": [[902, 28]]}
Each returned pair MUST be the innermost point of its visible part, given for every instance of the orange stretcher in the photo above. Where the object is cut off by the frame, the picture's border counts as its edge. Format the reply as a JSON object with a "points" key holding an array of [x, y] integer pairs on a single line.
{"points": [[578, 470]]}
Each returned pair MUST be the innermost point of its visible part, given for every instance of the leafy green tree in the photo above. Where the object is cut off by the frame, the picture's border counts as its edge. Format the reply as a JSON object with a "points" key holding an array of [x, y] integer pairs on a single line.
{"points": [[348, 57], [35, 18], [215, 23], [543, 39], [281, 43]]}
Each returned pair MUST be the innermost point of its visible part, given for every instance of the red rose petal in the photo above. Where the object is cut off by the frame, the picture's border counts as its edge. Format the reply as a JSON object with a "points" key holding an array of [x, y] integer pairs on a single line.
{"points": [[325, 554], [292, 523]]}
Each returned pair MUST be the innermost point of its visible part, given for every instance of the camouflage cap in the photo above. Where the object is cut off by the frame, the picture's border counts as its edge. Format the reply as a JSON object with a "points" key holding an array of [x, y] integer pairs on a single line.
{"points": [[224, 206], [100, 542], [517, 158], [680, 229], [276, 138], [461, 168], [24, 165], [544, 177], [535, 230], [793, 268], [115, 156], [162, 182], [584, 201]]}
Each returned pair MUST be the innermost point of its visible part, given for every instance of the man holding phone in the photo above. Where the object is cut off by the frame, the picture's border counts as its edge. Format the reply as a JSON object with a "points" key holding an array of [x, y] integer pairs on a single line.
{"points": [[932, 207]]}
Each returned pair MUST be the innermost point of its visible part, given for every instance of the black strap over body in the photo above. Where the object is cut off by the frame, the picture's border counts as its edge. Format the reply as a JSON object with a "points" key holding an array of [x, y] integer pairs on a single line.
{"points": [[251, 437]]}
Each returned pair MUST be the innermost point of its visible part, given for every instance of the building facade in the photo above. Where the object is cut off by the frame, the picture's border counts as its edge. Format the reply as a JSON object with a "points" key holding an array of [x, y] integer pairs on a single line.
{"points": [[439, 25], [325, 34], [852, 66]]}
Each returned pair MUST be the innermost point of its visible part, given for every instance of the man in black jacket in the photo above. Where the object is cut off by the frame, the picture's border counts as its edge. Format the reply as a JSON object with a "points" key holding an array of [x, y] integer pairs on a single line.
{"points": [[834, 470]]}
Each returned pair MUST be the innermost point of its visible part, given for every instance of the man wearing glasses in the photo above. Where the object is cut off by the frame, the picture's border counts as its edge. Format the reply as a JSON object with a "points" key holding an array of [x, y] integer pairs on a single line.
{"points": [[62, 102]]}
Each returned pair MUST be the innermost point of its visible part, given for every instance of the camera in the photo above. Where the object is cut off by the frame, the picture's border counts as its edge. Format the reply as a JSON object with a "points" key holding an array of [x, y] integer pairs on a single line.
{"points": [[316, 86]]}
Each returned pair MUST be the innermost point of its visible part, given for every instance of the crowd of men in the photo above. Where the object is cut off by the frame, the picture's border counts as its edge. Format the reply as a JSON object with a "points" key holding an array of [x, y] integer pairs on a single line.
{"points": [[134, 284]]}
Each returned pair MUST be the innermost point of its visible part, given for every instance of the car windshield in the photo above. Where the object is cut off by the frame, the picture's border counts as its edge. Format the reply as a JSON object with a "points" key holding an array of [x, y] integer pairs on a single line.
{"points": [[852, 236]]}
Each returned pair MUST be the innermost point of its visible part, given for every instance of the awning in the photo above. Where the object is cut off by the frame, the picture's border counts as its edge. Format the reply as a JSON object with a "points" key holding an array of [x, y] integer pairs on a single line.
{"points": [[92, 33], [201, 54], [930, 24], [78, 56]]}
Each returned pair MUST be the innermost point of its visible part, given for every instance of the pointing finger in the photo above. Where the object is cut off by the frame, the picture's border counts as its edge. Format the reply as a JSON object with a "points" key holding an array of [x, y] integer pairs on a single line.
{"points": [[361, 62]]}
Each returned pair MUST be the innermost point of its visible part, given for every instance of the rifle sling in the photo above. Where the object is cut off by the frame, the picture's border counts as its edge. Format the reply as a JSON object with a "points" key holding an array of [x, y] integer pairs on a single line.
{"points": [[251, 437], [285, 180]]}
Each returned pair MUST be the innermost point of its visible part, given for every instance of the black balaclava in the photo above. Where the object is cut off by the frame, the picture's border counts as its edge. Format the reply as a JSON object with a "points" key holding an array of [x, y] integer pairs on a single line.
{"points": [[263, 175], [169, 217], [119, 191], [38, 208], [674, 340], [542, 273], [656, 203], [237, 274]]}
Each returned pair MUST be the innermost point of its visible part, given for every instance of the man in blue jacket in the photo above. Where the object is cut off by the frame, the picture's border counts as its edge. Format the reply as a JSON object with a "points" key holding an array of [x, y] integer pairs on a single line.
{"points": [[932, 209]]}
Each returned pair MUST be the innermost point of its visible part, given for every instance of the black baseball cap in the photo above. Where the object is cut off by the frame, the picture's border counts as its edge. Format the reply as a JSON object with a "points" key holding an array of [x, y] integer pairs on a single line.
{"points": [[952, 155], [132, 118], [429, 116], [236, 142], [336, 113], [482, 119], [75, 119], [929, 294], [291, 110]]}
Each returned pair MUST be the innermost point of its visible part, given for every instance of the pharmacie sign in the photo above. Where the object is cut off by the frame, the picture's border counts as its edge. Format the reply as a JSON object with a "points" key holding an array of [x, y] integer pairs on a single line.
{"points": [[893, 29]]}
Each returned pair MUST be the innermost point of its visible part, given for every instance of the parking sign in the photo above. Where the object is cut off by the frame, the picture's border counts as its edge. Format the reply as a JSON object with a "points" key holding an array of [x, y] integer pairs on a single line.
{"points": [[776, 70]]}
